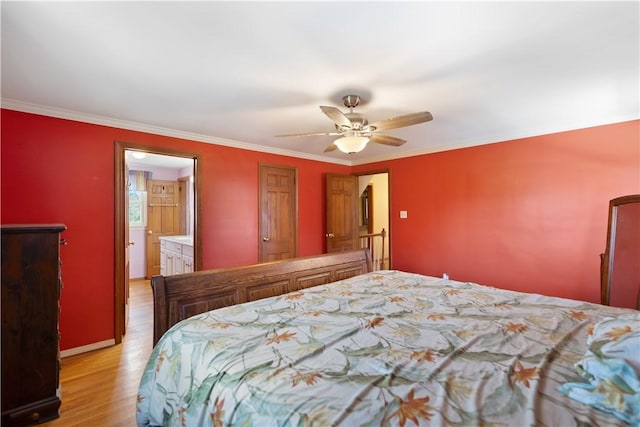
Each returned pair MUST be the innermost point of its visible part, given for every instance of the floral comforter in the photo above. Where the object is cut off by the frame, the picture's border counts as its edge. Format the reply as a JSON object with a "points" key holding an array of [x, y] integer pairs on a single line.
{"points": [[384, 348]]}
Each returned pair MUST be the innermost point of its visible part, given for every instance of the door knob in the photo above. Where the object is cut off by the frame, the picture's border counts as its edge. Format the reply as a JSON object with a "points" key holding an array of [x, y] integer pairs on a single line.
{"points": [[150, 232], [132, 243], [265, 239], [330, 235]]}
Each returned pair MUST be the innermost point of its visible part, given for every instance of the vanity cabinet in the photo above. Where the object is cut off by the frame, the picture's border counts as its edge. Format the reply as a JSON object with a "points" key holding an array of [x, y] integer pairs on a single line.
{"points": [[31, 283], [176, 255]]}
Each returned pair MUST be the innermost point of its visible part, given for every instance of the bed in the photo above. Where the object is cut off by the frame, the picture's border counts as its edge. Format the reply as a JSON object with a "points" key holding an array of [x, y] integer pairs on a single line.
{"points": [[360, 347]]}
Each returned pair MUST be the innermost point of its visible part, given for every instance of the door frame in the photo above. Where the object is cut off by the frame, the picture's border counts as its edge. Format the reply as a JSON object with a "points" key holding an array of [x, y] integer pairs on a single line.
{"points": [[121, 217], [389, 233]]}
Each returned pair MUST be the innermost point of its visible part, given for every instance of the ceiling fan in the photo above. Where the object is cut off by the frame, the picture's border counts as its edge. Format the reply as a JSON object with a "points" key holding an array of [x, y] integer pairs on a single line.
{"points": [[355, 131]]}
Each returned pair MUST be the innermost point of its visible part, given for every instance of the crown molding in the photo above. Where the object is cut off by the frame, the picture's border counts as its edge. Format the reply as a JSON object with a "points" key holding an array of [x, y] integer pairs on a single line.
{"points": [[12, 104], [474, 142], [25, 107], [60, 113]]}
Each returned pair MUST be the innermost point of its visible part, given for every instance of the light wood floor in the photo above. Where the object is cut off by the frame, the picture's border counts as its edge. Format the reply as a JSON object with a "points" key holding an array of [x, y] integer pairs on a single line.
{"points": [[99, 388]]}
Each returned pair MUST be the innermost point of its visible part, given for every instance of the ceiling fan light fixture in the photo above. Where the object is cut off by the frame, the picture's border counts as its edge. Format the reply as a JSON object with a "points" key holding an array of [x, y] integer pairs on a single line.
{"points": [[351, 144]]}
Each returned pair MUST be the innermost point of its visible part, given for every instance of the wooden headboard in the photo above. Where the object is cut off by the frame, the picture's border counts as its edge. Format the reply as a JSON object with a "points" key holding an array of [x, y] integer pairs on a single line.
{"points": [[184, 295]]}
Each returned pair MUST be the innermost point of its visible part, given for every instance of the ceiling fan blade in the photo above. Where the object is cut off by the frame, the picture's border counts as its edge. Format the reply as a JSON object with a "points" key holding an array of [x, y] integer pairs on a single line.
{"points": [[402, 121], [386, 140], [330, 147], [310, 134], [336, 115]]}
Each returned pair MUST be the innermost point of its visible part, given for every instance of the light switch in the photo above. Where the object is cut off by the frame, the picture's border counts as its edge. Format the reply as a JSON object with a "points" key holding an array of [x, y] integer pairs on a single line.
{"points": [[403, 214]]}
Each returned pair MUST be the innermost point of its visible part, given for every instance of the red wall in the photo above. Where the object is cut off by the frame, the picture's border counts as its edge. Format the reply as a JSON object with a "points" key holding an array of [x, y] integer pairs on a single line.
{"points": [[529, 214], [57, 170]]}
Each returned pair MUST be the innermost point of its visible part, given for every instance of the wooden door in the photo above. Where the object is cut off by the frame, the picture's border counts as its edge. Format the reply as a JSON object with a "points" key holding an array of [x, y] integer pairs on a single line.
{"points": [[342, 213], [163, 218], [278, 231]]}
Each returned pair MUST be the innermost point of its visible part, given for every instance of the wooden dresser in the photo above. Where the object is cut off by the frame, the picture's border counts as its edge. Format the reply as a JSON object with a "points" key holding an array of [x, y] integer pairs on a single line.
{"points": [[31, 282]]}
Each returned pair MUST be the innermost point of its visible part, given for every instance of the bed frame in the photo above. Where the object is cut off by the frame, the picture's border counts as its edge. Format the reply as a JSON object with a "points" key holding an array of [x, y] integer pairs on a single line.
{"points": [[181, 296]]}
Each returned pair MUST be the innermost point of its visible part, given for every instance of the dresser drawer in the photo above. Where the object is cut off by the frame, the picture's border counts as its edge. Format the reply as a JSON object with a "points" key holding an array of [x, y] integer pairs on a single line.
{"points": [[174, 247], [187, 250]]}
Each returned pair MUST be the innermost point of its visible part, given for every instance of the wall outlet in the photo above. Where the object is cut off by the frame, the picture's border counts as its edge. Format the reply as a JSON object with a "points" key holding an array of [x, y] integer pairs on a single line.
{"points": [[403, 214]]}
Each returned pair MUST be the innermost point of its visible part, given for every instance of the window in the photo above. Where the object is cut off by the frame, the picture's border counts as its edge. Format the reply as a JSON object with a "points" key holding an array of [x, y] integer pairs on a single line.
{"points": [[137, 209]]}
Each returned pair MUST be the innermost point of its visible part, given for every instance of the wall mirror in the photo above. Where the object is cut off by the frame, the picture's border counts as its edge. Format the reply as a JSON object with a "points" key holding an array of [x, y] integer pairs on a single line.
{"points": [[620, 268]]}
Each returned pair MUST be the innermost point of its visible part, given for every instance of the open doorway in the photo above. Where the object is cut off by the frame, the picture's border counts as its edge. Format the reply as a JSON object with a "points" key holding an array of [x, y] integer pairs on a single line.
{"points": [[182, 162], [160, 204], [373, 216]]}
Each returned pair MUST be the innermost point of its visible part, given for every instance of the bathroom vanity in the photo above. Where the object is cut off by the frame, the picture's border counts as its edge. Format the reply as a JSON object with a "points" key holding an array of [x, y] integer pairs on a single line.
{"points": [[176, 255]]}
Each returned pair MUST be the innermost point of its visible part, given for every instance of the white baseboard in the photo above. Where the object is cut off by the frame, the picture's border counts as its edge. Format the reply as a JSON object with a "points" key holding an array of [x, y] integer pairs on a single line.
{"points": [[87, 348]]}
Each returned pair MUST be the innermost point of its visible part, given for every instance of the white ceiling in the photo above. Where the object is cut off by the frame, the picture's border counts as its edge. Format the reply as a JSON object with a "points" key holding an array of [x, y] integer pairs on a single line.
{"points": [[238, 73], [156, 160]]}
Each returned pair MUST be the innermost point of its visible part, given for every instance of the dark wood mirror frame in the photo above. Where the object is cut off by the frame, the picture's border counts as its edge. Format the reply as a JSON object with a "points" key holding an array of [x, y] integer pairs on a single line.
{"points": [[623, 268]]}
